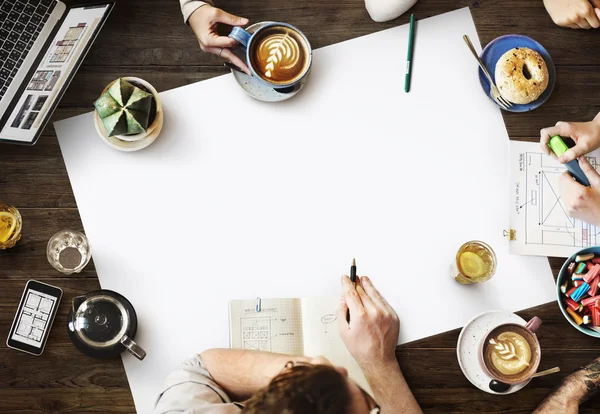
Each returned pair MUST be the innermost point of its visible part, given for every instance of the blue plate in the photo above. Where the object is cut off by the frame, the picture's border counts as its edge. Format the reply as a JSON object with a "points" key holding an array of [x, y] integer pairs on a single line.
{"points": [[562, 276], [497, 47]]}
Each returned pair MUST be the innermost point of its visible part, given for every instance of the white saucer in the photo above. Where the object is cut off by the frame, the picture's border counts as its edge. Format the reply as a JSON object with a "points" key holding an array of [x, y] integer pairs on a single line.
{"points": [[467, 348], [255, 88]]}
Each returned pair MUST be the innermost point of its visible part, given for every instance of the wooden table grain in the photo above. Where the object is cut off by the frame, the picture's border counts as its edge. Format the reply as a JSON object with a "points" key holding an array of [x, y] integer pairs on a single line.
{"points": [[147, 38]]}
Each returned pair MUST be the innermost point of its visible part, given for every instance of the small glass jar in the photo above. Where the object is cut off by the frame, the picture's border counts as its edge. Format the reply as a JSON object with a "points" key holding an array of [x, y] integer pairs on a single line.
{"points": [[68, 251], [10, 226], [475, 262]]}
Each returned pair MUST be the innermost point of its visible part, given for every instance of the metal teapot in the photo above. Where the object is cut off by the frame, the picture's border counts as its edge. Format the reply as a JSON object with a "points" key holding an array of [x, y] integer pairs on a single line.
{"points": [[102, 324]]}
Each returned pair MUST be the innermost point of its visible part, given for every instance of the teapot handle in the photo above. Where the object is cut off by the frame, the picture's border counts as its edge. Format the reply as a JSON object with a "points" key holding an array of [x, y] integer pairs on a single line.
{"points": [[76, 302], [133, 348]]}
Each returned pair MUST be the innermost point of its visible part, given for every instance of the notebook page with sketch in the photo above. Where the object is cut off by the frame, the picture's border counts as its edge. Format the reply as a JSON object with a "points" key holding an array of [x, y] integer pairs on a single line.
{"points": [[538, 216], [322, 337], [306, 326], [276, 328]]}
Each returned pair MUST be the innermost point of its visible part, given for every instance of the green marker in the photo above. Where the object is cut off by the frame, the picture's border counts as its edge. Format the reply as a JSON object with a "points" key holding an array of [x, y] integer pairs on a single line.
{"points": [[558, 146], [411, 41]]}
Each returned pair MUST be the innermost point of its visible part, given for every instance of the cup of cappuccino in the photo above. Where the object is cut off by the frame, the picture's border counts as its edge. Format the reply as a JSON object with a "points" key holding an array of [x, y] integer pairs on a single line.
{"points": [[278, 54], [511, 353]]}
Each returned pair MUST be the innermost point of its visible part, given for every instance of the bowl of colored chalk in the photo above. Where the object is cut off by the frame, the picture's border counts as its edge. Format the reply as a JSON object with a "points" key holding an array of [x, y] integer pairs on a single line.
{"points": [[578, 291]]}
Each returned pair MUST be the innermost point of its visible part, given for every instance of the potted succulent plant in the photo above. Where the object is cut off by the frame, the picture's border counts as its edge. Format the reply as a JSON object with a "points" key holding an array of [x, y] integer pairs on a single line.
{"points": [[128, 114]]}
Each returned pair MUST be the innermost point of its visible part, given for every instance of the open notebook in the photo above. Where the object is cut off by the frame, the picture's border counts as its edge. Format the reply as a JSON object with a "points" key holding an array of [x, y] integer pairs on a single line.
{"points": [[306, 326]]}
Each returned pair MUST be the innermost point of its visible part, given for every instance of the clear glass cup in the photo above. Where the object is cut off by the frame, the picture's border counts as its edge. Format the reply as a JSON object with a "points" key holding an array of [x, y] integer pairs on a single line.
{"points": [[68, 251], [10, 226], [475, 262]]}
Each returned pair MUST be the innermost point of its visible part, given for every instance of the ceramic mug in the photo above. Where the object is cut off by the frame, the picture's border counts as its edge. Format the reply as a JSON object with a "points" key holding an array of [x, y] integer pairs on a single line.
{"points": [[527, 332], [278, 54]]}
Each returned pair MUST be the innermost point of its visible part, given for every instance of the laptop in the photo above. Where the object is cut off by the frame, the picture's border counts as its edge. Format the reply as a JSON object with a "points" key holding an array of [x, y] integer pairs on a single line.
{"points": [[42, 44]]}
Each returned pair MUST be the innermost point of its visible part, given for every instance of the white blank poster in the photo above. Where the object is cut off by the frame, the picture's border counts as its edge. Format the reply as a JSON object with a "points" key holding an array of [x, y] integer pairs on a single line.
{"points": [[239, 198]]}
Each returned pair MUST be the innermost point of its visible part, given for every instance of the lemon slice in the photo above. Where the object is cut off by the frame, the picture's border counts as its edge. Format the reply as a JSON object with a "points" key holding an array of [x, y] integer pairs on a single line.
{"points": [[471, 264], [8, 222]]}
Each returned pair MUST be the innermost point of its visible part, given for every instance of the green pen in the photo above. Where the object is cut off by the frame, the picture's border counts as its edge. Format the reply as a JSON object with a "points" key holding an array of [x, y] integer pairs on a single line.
{"points": [[411, 41]]}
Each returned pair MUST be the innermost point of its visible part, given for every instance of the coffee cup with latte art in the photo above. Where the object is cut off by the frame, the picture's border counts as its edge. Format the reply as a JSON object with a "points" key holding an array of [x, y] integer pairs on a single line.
{"points": [[511, 353], [278, 54]]}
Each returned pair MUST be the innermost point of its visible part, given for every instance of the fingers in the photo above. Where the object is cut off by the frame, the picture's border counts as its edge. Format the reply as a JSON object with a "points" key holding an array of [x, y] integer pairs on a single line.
{"points": [[591, 17], [566, 129], [218, 41], [597, 10], [222, 16], [374, 294], [561, 128], [593, 20], [583, 23], [589, 171], [573, 153], [342, 313], [230, 56], [365, 299], [351, 296]]}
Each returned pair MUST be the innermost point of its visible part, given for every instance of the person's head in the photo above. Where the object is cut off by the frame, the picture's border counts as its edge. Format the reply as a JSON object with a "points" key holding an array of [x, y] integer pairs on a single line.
{"points": [[314, 388]]}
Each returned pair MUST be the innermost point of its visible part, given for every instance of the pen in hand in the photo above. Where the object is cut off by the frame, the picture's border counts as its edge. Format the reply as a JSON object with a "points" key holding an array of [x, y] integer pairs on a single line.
{"points": [[353, 280]]}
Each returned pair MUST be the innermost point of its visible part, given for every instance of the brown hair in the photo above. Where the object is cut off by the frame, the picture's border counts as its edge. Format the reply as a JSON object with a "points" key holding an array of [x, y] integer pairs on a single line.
{"points": [[302, 389]]}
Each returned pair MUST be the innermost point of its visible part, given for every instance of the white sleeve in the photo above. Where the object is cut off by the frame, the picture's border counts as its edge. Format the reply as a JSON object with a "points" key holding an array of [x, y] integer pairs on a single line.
{"points": [[190, 6], [191, 389]]}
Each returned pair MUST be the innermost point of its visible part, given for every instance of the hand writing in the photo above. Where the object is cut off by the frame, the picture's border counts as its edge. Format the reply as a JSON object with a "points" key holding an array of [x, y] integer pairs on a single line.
{"points": [[372, 334]]}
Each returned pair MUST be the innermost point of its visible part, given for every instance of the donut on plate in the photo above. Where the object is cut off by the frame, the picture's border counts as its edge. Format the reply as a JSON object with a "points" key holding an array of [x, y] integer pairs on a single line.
{"points": [[521, 75]]}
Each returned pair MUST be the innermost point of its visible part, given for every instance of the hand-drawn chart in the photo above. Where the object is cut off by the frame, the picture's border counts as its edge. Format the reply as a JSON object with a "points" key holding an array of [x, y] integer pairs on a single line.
{"points": [[256, 333], [539, 215]]}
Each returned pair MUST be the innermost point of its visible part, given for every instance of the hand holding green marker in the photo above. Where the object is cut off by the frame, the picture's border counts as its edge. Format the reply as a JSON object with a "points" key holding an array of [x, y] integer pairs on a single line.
{"points": [[558, 146]]}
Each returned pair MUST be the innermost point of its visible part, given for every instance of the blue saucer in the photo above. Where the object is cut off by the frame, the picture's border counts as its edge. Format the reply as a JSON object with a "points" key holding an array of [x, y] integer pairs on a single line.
{"points": [[497, 47]]}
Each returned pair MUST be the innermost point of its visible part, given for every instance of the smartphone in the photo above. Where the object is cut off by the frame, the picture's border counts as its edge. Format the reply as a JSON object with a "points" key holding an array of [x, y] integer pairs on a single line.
{"points": [[35, 315]]}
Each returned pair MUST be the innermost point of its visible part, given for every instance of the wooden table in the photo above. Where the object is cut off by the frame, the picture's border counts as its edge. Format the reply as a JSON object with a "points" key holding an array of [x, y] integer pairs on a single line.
{"points": [[147, 38]]}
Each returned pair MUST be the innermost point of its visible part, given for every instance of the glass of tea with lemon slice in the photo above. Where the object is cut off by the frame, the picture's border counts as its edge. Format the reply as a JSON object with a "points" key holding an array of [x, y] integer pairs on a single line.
{"points": [[475, 263], [10, 226]]}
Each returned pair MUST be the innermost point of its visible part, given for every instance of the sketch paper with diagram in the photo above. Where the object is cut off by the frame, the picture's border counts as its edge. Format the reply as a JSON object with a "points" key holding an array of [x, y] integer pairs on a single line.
{"points": [[538, 216], [306, 326]]}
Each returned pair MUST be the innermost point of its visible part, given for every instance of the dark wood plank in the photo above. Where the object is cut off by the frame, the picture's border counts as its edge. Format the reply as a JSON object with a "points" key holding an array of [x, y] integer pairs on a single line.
{"points": [[439, 386], [27, 260], [61, 380]]}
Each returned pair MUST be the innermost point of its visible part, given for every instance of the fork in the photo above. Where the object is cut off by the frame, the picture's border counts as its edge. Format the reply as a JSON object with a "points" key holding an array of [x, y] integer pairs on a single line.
{"points": [[503, 103]]}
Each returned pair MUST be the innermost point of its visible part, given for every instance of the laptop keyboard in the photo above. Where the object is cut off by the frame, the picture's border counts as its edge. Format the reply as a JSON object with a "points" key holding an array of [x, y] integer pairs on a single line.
{"points": [[20, 24]]}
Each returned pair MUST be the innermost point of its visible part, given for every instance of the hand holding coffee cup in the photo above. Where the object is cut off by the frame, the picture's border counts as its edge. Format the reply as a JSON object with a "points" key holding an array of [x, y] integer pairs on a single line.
{"points": [[511, 353], [278, 54], [205, 22]]}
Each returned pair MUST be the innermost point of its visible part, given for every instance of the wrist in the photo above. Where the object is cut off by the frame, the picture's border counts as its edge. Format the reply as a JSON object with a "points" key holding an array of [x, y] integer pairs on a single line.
{"points": [[381, 367], [574, 388]]}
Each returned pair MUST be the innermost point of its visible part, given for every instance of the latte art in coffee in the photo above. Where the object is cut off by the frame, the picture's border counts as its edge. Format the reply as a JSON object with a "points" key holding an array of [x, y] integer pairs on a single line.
{"points": [[509, 353], [280, 55]]}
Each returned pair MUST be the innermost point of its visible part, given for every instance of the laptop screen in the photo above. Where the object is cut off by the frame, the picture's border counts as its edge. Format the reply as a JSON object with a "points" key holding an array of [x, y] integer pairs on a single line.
{"points": [[47, 83]]}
